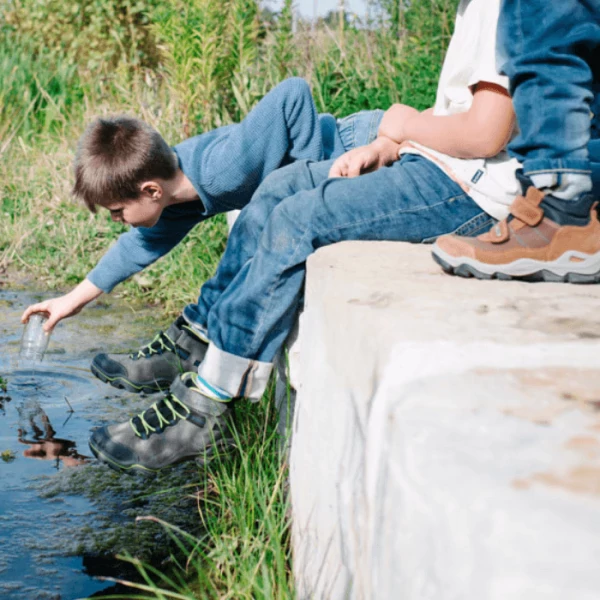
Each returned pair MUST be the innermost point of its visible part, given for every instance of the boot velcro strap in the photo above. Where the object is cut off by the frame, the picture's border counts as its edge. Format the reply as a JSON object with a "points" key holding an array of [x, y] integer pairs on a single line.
{"points": [[188, 342], [195, 400], [527, 208]]}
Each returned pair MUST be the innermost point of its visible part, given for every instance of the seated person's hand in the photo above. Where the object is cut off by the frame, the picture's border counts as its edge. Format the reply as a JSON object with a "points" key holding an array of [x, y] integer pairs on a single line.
{"points": [[365, 159]]}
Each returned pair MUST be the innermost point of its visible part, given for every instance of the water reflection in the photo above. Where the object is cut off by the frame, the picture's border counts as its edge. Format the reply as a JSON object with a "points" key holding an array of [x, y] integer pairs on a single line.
{"points": [[4, 400], [36, 432]]}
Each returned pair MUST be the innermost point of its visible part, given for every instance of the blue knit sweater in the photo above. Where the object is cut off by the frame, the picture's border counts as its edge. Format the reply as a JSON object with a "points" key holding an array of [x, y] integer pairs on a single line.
{"points": [[225, 167]]}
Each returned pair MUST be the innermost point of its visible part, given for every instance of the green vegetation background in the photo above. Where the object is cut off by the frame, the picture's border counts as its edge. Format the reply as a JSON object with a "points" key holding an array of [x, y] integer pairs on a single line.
{"points": [[186, 66]]}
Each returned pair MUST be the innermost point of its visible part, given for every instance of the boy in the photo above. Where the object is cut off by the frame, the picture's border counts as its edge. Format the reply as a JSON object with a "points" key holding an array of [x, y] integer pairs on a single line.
{"points": [[552, 233], [247, 309], [125, 166]]}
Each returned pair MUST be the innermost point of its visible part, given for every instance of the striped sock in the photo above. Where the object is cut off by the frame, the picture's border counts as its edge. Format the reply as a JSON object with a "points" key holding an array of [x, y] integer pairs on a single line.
{"points": [[211, 391]]}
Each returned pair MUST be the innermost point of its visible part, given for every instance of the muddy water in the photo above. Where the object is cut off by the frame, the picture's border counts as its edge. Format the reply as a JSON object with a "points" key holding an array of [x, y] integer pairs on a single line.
{"points": [[63, 516]]}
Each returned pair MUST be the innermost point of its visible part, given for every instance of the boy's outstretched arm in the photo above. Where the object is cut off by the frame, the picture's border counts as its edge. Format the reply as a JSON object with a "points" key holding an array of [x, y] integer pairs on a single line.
{"points": [[481, 132], [64, 306], [134, 250]]}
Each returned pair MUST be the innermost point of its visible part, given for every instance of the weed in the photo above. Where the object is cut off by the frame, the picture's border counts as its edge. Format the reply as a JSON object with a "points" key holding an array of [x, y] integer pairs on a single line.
{"points": [[7, 456]]}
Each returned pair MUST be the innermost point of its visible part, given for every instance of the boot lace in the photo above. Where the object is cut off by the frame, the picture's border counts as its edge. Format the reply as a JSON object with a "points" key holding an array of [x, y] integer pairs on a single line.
{"points": [[161, 414], [161, 343]]}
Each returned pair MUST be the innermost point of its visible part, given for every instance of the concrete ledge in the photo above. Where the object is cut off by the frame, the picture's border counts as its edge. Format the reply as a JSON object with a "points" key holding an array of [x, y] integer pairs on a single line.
{"points": [[446, 433]]}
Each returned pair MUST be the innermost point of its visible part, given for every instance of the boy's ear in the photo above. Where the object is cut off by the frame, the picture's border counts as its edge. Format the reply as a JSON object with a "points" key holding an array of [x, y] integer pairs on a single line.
{"points": [[152, 189]]}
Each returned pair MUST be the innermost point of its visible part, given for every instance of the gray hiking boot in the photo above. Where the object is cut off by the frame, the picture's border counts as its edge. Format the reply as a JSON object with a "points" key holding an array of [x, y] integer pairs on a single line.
{"points": [[155, 366], [184, 425]]}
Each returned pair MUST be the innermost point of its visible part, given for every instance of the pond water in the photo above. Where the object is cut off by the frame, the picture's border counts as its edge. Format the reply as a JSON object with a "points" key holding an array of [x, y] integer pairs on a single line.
{"points": [[63, 516]]}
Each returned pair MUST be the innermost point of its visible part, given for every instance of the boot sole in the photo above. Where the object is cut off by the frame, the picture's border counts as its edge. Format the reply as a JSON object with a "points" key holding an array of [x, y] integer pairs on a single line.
{"points": [[462, 268], [218, 449], [124, 384]]}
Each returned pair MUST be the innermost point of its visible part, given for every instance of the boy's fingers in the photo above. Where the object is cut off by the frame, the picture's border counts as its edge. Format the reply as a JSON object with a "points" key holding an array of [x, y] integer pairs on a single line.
{"points": [[51, 323], [357, 167], [336, 170], [354, 170], [30, 310]]}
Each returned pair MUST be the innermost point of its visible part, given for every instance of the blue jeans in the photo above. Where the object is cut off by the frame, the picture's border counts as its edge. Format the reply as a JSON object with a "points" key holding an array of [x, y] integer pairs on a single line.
{"points": [[248, 308], [549, 50]]}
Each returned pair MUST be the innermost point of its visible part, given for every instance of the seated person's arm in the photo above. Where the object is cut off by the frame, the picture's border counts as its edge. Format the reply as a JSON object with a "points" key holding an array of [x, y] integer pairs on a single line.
{"points": [[481, 132]]}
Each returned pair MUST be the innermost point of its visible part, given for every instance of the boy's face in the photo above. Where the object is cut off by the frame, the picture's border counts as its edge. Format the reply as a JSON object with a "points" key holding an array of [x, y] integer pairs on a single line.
{"points": [[139, 212]]}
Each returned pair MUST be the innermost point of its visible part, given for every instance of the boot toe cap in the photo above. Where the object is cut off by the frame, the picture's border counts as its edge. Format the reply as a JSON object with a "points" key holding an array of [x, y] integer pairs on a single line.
{"points": [[107, 449], [108, 366], [456, 246]]}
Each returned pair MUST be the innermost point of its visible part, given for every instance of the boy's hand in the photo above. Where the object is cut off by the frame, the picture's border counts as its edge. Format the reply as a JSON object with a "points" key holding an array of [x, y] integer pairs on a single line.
{"points": [[64, 306], [55, 309], [365, 159]]}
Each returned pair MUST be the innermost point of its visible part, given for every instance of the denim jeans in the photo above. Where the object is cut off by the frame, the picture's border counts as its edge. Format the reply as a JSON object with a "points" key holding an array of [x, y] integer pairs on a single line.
{"points": [[550, 51], [248, 308]]}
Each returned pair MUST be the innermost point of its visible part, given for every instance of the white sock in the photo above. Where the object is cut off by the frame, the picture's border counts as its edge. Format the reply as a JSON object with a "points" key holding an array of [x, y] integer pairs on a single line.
{"points": [[566, 186]]}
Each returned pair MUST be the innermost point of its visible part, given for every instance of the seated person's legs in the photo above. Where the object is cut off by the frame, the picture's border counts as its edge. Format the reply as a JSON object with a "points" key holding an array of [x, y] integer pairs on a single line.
{"points": [[551, 62], [250, 319], [595, 163], [594, 145], [245, 236]]}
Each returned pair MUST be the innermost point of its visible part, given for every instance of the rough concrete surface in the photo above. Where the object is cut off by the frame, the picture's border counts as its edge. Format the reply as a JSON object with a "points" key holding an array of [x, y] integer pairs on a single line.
{"points": [[446, 433]]}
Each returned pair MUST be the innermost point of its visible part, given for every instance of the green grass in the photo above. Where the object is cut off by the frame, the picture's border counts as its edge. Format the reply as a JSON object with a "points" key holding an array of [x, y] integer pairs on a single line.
{"points": [[183, 67], [244, 552]]}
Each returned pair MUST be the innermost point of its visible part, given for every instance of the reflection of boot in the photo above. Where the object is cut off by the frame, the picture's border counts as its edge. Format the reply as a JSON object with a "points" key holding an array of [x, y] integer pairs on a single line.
{"points": [[154, 366], [4, 400]]}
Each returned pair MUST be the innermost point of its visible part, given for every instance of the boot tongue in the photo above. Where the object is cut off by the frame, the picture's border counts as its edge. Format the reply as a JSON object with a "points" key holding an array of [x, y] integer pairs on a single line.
{"points": [[175, 328], [151, 417]]}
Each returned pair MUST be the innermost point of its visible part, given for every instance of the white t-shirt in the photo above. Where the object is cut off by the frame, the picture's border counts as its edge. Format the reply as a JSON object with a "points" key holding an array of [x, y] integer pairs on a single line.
{"points": [[471, 58]]}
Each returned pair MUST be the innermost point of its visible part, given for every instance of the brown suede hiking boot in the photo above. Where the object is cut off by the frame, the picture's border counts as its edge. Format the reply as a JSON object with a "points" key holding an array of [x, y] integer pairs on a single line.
{"points": [[529, 245]]}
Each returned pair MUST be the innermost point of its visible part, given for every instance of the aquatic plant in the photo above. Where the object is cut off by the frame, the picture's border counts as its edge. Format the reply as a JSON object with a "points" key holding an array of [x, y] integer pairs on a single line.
{"points": [[3, 384], [7, 456]]}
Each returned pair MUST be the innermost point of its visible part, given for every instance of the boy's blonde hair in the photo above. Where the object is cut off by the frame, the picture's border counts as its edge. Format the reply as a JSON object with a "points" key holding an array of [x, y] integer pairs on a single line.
{"points": [[114, 156]]}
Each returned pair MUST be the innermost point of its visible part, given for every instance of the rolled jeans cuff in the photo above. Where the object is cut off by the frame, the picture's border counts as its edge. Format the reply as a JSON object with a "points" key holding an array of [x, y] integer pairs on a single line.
{"points": [[240, 377], [539, 166]]}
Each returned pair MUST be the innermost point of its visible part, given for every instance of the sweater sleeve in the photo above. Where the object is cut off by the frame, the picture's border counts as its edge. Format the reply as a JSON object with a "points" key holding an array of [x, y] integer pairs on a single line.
{"points": [[139, 247], [227, 165]]}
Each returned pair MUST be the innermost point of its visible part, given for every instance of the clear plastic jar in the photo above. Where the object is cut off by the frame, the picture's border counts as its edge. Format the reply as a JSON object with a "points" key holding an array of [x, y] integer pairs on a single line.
{"points": [[35, 340]]}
